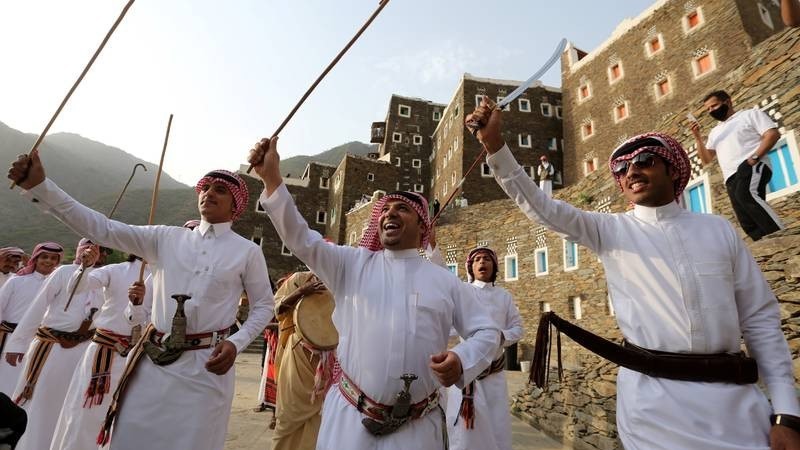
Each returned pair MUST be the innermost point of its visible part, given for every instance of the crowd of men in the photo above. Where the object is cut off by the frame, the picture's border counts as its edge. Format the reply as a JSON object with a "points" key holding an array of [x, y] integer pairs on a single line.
{"points": [[141, 354]]}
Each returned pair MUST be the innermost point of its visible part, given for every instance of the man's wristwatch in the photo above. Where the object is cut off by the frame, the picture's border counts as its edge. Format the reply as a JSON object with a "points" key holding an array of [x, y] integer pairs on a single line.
{"points": [[754, 157], [786, 420]]}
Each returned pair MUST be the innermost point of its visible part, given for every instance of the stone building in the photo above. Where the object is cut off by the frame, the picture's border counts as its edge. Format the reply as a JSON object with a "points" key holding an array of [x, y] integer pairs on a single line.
{"points": [[404, 140], [652, 66], [310, 193], [532, 128]]}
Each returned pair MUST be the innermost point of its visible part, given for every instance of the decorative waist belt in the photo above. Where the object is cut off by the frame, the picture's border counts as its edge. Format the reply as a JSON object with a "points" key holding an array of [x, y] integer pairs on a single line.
{"points": [[384, 414], [46, 337], [467, 409], [162, 352], [6, 328], [716, 368], [108, 344]]}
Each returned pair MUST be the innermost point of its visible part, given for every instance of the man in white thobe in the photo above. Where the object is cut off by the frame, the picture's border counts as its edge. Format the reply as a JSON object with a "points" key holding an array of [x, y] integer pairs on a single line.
{"points": [[546, 172], [10, 258], [681, 283], [486, 423], [184, 404], [96, 377], [393, 312], [16, 297], [52, 336]]}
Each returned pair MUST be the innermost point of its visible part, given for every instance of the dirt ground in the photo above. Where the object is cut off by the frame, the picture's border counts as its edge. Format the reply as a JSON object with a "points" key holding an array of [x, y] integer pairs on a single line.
{"points": [[248, 430]]}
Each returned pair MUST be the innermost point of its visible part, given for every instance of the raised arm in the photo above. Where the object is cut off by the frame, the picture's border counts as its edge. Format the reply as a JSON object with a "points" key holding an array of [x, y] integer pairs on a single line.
{"points": [[577, 225], [707, 155], [29, 174]]}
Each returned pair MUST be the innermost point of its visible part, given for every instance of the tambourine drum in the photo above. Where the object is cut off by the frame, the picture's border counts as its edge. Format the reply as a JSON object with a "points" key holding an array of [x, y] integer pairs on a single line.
{"points": [[313, 322]]}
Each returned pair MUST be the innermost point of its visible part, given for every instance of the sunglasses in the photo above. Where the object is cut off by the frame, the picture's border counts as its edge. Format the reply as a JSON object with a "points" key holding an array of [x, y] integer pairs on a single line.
{"points": [[641, 161]]}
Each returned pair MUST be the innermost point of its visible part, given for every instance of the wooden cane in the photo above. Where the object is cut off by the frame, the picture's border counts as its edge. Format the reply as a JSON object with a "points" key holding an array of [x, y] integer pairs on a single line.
{"points": [[78, 81], [125, 188], [382, 4], [154, 198]]}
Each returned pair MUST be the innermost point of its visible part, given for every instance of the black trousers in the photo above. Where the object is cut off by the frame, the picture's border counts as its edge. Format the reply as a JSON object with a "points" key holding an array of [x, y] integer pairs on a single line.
{"points": [[13, 421], [747, 189]]}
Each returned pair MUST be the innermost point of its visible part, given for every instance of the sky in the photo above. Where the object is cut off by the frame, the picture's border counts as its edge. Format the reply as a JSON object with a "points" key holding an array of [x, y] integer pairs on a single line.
{"points": [[231, 71]]}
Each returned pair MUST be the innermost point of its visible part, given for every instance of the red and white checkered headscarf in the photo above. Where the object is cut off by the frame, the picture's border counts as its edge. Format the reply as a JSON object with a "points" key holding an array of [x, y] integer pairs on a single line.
{"points": [[471, 259], [83, 244], [659, 144], [42, 247], [8, 251], [372, 240], [235, 184]]}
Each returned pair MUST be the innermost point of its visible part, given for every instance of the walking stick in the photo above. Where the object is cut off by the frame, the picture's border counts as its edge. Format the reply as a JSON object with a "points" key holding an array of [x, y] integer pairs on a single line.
{"points": [[78, 81], [382, 4]]}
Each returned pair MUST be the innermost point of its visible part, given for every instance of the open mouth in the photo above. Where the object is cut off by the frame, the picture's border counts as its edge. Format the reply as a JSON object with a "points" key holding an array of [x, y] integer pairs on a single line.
{"points": [[637, 186]]}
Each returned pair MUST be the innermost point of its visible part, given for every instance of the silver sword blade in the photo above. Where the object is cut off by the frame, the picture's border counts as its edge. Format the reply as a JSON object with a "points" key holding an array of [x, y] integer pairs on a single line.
{"points": [[519, 90]]}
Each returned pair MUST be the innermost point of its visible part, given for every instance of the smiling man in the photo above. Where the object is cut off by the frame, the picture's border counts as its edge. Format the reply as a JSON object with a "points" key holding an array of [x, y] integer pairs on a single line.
{"points": [[181, 394], [10, 259], [685, 288], [393, 313]]}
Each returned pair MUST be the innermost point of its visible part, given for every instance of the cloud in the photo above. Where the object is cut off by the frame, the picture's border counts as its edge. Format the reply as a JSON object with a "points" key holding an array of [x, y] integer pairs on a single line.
{"points": [[443, 63]]}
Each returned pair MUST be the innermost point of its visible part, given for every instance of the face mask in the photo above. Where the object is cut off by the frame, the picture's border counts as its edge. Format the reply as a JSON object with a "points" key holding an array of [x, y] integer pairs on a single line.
{"points": [[720, 112]]}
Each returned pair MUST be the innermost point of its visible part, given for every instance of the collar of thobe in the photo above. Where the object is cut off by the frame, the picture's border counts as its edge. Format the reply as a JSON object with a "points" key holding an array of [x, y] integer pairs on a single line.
{"points": [[658, 213], [402, 254], [480, 284], [218, 228]]}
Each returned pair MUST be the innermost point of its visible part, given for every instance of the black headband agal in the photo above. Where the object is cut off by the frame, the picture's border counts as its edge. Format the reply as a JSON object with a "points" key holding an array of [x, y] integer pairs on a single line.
{"points": [[223, 176], [408, 196], [51, 249], [632, 146]]}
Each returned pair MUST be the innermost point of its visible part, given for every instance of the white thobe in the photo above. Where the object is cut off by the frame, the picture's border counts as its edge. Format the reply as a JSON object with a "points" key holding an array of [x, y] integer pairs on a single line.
{"points": [[5, 277], [393, 311], [49, 309], [15, 298], [492, 429], [77, 425], [546, 185], [181, 405], [680, 282]]}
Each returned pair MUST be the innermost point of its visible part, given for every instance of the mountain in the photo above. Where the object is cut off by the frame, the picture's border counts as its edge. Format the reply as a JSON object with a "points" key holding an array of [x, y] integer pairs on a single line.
{"points": [[296, 165], [94, 173]]}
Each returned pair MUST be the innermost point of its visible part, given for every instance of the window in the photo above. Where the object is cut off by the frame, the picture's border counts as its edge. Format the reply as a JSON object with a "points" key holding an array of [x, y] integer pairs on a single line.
{"points": [[353, 237], [704, 64], [552, 144], [765, 17], [697, 195], [511, 268], [257, 240], [486, 171], [546, 109], [524, 140], [416, 163], [785, 163], [453, 268], [621, 112], [654, 45], [570, 255], [584, 91], [370, 176], [417, 139], [455, 144], [529, 170], [285, 251], [524, 105], [397, 137], [397, 162], [662, 88], [333, 215], [544, 307], [577, 311], [419, 188], [453, 179], [615, 72], [437, 115], [692, 20], [478, 99], [324, 182], [540, 261], [587, 129], [260, 209], [505, 108], [322, 217], [589, 166], [558, 111], [404, 111]]}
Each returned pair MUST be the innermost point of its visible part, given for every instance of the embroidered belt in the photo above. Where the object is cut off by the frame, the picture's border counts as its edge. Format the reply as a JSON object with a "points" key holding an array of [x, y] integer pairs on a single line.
{"points": [[108, 343], [66, 339], [378, 411], [119, 343], [467, 408], [6, 328], [197, 341]]}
